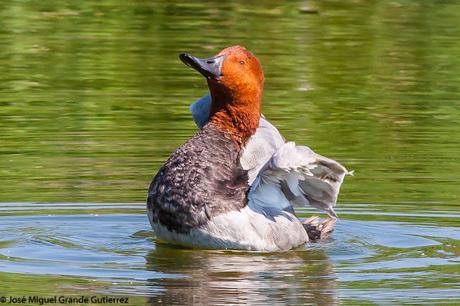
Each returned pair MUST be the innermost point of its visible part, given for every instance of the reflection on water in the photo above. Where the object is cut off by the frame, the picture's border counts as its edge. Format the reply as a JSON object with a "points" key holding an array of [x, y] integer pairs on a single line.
{"points": [[93, 99], [226, 277]]}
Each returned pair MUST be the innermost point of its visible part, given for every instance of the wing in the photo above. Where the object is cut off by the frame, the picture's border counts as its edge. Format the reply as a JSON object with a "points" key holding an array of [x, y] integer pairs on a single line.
{"points": [[282, 174], [260, 149], [200, 110], [302, 177]]}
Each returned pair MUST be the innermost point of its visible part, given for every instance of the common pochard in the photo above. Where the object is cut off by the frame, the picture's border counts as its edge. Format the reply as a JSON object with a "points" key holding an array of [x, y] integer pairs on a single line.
{"points": [[234, 184]]}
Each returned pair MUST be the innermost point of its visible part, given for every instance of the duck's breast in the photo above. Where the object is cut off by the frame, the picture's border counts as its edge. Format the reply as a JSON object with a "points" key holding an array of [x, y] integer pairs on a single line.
{"points": [[200, 180]]}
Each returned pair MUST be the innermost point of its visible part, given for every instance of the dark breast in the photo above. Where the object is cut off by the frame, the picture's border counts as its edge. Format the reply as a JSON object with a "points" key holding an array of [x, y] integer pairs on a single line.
{"points": [[201, 179]]}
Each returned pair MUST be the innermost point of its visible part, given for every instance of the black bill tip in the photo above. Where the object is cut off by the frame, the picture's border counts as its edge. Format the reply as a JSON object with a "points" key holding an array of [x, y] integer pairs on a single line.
{"points": [[208, 67]]}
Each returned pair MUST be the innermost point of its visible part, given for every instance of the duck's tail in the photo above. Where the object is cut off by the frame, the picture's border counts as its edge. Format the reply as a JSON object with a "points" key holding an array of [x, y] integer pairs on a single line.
{"points": [[319, 229]]}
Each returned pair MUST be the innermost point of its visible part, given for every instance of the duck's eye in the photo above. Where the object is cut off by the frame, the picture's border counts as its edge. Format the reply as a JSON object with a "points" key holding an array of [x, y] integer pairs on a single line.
{"points": [[242, 62]]}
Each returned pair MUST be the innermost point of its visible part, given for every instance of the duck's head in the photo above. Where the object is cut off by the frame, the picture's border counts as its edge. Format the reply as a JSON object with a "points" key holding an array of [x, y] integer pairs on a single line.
{"points": [[235, 79]]}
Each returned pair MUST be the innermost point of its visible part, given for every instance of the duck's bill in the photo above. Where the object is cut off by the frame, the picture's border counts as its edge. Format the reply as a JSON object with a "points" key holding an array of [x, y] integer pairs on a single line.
{"points": [[211, 67]]}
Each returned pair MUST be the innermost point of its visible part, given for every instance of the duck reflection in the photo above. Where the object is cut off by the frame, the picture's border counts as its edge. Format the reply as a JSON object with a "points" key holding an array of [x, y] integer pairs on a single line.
{"points": [[234, 277]]}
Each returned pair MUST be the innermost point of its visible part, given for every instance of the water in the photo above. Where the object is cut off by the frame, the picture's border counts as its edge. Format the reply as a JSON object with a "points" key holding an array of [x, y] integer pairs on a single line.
{"points": [[93, 99]]}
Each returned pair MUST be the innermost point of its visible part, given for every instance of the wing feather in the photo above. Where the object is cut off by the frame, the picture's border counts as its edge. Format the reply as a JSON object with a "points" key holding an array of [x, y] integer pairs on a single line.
{"points": [[283, 174], [309, 175]]}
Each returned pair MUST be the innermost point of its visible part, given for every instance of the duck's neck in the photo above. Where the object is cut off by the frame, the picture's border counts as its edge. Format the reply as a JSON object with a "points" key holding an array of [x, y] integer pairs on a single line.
{"points": [[235, 114]]}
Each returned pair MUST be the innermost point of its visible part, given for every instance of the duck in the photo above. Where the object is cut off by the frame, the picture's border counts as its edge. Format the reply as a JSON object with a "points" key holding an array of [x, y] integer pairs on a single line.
{"points": [[235, 183]]}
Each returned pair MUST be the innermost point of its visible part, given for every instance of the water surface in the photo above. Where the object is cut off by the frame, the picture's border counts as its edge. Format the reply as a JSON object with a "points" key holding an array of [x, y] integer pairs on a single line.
{"points": [[93, 99]]}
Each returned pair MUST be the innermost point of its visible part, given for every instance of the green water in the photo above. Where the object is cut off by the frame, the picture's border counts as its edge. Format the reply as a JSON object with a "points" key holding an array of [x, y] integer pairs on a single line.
{"points": [[93, 99]]}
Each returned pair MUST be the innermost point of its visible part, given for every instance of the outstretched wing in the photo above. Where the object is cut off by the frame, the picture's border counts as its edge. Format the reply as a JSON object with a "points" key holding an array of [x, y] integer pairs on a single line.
{"points": [[302, 177], [282, 174]]}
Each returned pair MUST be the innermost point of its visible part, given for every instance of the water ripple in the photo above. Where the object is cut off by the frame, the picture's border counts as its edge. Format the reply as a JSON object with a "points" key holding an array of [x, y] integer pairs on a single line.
{"points": [[117, 253]]}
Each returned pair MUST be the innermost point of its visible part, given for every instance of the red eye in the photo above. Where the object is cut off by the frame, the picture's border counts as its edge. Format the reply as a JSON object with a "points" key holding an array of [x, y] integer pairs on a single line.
{"points": [[242, 62]]}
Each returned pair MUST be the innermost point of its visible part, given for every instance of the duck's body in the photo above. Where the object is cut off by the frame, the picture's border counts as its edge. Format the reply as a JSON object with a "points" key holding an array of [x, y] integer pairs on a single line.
{"points": [[233, 185], [200, 198]]}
